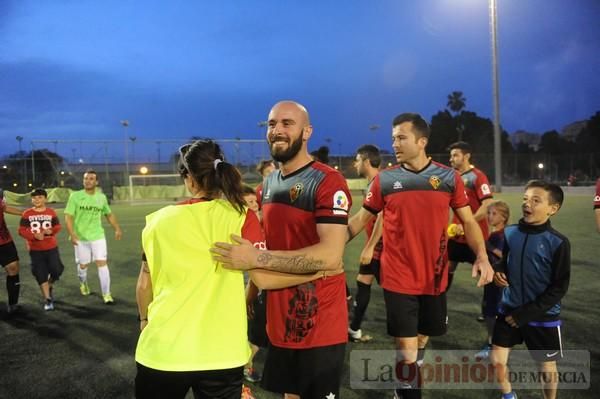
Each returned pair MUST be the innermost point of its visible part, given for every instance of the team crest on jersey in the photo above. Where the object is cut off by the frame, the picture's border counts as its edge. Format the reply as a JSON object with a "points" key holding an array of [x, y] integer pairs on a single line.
{"points": [[597, 198], [435, 182], [485, 189], [296, 191], [340, 203]]}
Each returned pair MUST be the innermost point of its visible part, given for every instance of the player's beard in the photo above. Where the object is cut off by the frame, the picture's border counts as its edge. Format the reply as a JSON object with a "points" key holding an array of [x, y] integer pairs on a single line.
{"points": [[285, 155]]}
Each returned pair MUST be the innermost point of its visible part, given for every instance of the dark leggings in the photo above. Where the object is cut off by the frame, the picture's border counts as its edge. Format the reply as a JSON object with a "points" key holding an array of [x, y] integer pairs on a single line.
{"points": [[158, 384]]}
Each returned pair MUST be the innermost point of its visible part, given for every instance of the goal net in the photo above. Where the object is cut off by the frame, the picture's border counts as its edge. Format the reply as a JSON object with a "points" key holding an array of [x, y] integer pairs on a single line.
{"points": [[156, 187]]}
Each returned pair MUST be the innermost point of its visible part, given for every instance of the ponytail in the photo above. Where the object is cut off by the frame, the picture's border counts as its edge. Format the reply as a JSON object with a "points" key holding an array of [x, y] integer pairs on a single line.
{"points": [[203, 160]]}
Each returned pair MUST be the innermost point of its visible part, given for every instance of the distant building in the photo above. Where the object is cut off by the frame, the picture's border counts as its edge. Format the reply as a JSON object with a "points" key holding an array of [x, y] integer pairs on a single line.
{"points": [[531, 139], [572, 130]]}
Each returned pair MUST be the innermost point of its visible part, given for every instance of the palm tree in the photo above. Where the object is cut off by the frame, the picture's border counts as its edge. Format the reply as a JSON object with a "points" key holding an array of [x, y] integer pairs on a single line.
{"points": [[456, 103]]}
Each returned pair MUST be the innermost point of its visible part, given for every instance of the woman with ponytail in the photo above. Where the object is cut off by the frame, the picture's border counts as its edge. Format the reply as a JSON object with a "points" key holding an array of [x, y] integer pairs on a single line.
{"points": [[192, 311]]}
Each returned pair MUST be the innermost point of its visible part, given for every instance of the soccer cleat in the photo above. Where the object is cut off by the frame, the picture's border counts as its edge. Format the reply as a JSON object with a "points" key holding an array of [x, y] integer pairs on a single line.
{"points": [[49, 305], [108, 299], [481, 318], [252, 375], [484, 353], [510, 395], [247, 393], [84, 288]]}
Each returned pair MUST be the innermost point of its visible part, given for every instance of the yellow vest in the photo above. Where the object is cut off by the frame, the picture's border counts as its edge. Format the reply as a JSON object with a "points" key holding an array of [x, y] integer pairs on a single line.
{"points": [[197, 318]]}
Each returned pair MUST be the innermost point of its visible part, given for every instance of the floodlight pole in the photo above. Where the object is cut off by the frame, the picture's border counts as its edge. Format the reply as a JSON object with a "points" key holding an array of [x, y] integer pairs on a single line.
{"points": [[23, 161], [125, 124], [497, 132]]}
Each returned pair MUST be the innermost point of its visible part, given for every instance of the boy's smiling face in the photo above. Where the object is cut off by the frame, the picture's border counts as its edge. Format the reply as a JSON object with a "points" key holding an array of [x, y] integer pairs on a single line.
{"points": [[536, 206]]}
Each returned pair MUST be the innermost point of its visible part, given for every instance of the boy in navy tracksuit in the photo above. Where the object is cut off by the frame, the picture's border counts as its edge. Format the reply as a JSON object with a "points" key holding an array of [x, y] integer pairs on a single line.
{"points": [[535, 275]]}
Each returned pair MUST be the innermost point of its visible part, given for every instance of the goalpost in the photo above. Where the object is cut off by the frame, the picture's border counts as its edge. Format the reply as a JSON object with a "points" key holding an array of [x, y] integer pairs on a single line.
{"points": [[156, 187]]}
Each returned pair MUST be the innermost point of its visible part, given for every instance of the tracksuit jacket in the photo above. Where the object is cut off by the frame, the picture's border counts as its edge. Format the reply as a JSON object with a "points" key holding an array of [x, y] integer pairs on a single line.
{"points": [[537, 264]]}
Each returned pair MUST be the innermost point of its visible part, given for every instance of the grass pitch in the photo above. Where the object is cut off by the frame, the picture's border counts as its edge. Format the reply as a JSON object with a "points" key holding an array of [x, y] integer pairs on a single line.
{"points": [[84, 349]]}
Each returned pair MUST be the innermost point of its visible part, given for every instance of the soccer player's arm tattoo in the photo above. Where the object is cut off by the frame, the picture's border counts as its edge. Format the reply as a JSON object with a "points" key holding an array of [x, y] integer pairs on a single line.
{"points": [[298, 264]]}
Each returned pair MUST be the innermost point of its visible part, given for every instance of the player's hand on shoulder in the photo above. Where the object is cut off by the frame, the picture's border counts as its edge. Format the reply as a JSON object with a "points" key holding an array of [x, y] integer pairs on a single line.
{"points": [[237, 256]]}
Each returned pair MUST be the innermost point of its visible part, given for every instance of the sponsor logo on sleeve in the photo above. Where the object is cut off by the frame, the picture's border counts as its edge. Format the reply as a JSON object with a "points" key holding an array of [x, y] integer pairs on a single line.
{"points": [[485, 189], [341, 203]]}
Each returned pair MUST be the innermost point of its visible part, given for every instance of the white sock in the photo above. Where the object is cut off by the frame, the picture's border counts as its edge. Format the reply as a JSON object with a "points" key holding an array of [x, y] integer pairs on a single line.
{"points": [[82, 274], [104, 276]]}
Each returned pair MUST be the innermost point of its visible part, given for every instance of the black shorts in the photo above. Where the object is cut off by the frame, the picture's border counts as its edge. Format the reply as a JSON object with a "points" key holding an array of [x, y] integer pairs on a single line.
{"points": [[310, 373], [410, 315], [158, 384], [544, 342], [460, 252], [372, 268], [46, 264], [8, 254], [257, 326], [491, 298]]}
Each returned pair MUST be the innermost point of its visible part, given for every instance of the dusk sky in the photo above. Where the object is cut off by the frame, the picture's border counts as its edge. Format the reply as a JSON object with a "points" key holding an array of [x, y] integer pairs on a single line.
{"points": [[175, 69]]}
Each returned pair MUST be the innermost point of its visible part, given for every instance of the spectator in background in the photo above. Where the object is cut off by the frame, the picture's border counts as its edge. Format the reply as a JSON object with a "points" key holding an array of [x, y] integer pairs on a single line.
{"points": [[256, 302], [264, 168], [498, 216], [367, 162], [83, 216], [9, 258], [479, 193], [321, 155], [39, 226], [597, 205]]}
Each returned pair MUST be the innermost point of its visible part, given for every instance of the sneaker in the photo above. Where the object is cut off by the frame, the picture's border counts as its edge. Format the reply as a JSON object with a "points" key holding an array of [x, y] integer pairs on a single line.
{"points": [[49, 305], [484, 353], [108, 299], [84, 288], [252, 375], [354, 335], [481, 318], [247, 393], [357, 336]]}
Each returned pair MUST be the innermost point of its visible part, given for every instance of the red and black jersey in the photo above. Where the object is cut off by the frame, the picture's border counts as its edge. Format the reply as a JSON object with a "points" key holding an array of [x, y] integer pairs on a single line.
{"points": [[597, 196], [5, 236], [369, 230], [35, 222], [478, 189], [415, 217], [313, 314]]}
